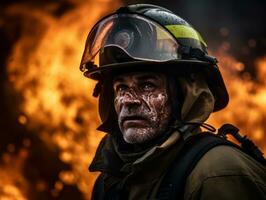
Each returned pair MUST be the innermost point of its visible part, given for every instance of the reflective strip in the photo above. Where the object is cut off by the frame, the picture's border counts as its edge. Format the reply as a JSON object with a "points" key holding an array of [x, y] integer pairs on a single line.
{"points": [[182, 31]]}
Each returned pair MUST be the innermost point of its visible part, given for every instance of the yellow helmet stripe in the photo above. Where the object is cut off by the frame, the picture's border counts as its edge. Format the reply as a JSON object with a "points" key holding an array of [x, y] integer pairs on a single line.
{"points": [[182, 31]]}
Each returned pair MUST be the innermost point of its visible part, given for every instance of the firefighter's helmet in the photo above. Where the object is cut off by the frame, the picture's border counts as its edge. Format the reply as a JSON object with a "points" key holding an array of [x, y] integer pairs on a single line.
{"points": [[144, 36]]}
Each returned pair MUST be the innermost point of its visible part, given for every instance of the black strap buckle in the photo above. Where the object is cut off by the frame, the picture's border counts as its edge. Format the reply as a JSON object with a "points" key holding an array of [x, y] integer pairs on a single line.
{"points": [[248, 145]]}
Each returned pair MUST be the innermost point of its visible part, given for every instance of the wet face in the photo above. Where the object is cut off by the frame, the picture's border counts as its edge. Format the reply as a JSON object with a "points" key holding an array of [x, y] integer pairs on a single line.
{"points": [[142, 105]]}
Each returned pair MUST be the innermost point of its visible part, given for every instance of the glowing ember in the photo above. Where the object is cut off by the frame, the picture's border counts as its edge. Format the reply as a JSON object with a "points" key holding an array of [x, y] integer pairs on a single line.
{"points": [[11, 172]]}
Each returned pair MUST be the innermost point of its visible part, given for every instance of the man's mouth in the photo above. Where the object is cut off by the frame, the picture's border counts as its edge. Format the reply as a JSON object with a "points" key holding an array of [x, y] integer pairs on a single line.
{"points": [[133, 121]]}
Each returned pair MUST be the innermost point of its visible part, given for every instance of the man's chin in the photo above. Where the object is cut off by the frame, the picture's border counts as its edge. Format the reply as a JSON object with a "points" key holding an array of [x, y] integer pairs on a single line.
{"points": [[137, 135]]}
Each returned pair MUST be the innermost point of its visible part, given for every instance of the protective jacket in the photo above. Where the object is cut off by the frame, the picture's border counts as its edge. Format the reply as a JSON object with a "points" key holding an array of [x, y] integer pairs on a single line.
{"points": [[135, 173], [223, 172]]}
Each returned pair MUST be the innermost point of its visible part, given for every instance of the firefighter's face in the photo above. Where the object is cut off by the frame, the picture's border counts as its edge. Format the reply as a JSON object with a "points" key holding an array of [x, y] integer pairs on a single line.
{"points": [[142, 105]]}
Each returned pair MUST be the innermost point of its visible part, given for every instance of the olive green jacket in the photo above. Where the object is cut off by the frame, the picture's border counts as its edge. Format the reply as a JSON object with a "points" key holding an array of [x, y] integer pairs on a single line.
{"points": [[226, 173], [223, 173]]}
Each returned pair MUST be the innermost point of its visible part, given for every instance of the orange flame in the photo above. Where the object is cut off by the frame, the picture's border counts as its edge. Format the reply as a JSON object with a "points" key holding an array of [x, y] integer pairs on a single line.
{"points": [[57, 100], [247, 108], [11, 172]]}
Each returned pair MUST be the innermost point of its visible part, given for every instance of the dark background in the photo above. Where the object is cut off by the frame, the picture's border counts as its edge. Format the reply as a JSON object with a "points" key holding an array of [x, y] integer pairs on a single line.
{"points": [[243, 21], [240, 23]]}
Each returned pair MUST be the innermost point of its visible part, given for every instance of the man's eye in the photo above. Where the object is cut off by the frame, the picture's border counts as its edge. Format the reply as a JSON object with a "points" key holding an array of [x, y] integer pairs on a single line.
{"points": [[147, 86], [121, 88]]}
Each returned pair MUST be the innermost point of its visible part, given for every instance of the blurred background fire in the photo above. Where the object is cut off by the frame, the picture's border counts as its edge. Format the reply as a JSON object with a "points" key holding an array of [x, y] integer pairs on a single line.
{"points": [[47, 115]]}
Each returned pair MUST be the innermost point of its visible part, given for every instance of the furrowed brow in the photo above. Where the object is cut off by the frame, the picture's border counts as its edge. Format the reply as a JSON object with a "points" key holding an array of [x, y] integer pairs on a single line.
{"points": [[147, 77], [118, 79]]}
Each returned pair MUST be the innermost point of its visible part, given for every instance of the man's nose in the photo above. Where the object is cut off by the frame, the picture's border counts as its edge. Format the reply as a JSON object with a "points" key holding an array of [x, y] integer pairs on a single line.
{"points": [[131, 100]]}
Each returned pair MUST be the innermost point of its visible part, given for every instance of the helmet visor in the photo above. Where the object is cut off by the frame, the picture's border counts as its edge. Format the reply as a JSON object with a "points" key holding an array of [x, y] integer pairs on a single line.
{"points": [[140, 38]]}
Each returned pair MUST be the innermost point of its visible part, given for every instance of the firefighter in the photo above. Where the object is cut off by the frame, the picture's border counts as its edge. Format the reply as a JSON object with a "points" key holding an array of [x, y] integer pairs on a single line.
{"points": [[157, 86]]}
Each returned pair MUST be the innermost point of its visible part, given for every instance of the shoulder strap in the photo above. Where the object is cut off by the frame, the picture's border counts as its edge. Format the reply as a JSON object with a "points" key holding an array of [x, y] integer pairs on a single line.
{"points": [[194, 148]]}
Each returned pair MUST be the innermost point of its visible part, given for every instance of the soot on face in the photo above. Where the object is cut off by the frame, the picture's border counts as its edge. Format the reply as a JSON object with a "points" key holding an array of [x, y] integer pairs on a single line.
{"points": [[142, 106]]}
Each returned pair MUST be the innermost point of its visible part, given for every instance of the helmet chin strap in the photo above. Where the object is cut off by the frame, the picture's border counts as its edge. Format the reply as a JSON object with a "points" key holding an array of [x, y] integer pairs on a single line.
{"points": [[176, 96], [189, 128]]}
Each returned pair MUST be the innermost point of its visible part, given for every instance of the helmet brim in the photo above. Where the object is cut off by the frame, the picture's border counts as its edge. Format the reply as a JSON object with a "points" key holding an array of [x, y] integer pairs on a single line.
{"points": [[180, 67]]}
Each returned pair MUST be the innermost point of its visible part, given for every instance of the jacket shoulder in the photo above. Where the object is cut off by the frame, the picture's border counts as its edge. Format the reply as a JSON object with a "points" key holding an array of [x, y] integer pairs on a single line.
{"points": [[98, 188], [225, 163]]}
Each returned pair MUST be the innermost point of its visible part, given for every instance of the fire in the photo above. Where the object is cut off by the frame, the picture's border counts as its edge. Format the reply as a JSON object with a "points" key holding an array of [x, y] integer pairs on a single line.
{"points": [[247, 108], [11, 172], [56, 100], [57, 103]]}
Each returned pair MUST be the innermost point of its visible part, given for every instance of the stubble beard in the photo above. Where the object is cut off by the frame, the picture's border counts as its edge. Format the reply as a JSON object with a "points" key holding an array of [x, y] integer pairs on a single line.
{"points": [[158, 121]]}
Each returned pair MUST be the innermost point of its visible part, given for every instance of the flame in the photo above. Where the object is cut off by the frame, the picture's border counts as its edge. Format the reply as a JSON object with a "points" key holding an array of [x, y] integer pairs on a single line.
{"points": [[57, 104], [247, 108], [11, 172]]}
